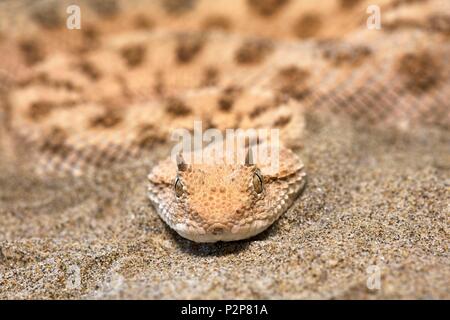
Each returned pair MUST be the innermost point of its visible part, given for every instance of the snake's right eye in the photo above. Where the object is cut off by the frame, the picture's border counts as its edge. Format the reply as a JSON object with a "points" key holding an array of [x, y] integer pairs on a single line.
{"points": [[178, 188]]}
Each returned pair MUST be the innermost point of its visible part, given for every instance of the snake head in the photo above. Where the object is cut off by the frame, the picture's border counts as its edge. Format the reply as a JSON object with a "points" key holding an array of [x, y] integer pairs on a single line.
{"points": [[223, 202]]}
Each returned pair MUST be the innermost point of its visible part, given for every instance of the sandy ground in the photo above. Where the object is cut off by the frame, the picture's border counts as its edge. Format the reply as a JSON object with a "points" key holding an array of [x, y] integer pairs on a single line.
{"points": [[376, 204]]}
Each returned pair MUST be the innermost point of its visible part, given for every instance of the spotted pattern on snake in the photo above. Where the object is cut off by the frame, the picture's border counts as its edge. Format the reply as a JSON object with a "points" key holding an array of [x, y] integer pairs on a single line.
{"points": [[80, 100]]}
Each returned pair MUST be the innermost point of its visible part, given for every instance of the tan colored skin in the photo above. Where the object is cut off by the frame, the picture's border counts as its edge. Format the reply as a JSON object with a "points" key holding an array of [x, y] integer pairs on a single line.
{"points": [[84, 99], [209, 203]]}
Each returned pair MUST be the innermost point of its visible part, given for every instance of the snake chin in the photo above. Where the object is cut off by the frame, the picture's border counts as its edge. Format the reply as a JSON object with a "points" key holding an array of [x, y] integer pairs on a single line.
{"points": [[216, 232]]}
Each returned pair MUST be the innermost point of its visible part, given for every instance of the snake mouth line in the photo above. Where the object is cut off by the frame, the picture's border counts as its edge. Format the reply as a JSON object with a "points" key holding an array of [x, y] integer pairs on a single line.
{"points": [[215, 234]]}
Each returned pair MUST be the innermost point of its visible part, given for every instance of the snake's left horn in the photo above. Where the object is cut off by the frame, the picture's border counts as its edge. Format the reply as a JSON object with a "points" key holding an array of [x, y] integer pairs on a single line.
{"points": [[249, 157], [181, 164]]}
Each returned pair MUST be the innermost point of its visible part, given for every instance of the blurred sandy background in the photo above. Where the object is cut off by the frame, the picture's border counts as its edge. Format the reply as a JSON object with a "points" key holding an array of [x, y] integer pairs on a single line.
{"points": [[377, 199]]}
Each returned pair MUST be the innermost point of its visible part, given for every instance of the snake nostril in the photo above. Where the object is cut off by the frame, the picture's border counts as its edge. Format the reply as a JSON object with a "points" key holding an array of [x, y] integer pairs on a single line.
{"points": [[217, 229]]}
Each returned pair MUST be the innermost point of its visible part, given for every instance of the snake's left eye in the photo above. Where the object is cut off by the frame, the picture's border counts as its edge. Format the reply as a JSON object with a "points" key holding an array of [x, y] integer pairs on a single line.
{"points": [[257, 183], [178, 188]]}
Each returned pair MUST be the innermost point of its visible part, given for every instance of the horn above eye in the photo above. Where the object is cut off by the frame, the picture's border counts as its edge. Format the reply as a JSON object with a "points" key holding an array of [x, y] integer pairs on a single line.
{"points": [[249, 157], [181, 164]]}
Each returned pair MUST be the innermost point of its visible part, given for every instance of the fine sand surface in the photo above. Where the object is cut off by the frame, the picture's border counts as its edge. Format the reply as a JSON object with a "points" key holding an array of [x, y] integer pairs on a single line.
{"points": [[377, 200]]}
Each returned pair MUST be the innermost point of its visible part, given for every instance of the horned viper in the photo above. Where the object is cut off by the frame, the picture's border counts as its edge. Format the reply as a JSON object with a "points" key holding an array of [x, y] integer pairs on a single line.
{"points": [[113, 90]]}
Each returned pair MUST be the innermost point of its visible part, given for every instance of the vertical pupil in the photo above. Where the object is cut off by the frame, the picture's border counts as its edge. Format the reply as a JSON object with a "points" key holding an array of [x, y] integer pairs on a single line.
{"points": [[257, 183], [178, 188]]}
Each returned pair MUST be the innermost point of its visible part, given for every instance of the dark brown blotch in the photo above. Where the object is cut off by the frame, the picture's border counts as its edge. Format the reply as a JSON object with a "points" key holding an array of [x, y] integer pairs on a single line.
{"points": [[88, 69], [105, 8], [148, 135], [307, 25], [142, 22], [216, 22], [420, 71], [133, 55], [439, 23], [90, 38], [399, 3], [177, 107], [342, 53], [40, 109], [32, 51], [228, 97], [108, 119], [210, 77], [292, 81], [42, 78], [90, 34], [208, 123], [47, 16], [178, 7], [55, 141], [282, 121], [258, 110], [188, 47], [402, 23], [266, 8], [253, 51], [348, 4], [159, 87]]}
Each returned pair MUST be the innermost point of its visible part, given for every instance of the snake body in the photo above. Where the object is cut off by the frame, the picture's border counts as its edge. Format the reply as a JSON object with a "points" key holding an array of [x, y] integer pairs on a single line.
{"points": [[80, 100]]}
